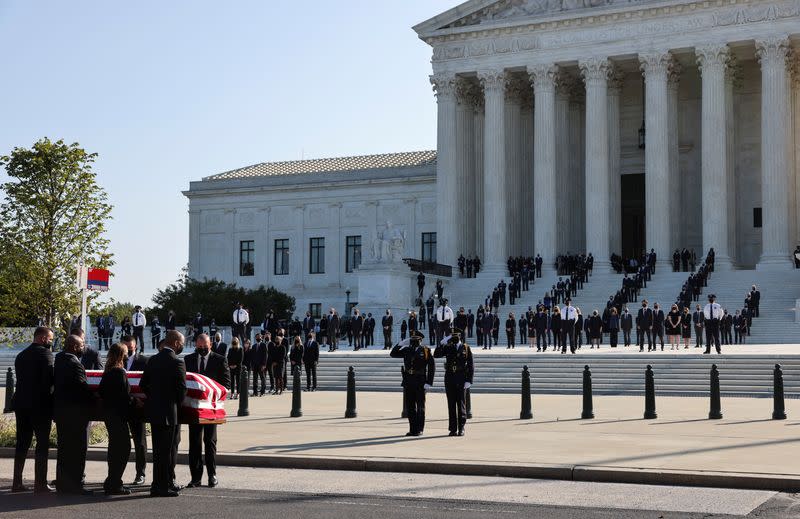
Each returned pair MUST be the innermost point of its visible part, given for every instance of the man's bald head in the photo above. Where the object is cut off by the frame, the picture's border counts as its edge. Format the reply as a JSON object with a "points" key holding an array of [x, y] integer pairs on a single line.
{"points": [[174, 340], [203, 344]]}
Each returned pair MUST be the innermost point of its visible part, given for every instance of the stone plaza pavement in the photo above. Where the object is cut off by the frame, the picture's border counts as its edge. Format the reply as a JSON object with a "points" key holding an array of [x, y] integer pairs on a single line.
{"points": [[745, 449]]}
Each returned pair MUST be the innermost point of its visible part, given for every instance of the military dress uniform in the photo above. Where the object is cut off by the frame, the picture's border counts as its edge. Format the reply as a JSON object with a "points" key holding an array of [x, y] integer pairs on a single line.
{"points": [[458, 371], [419, 370]]}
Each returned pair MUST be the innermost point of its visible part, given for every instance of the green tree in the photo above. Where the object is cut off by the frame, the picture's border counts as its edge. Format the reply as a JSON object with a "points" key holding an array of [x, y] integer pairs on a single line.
{"points": [[54, 214], [216, 299]]}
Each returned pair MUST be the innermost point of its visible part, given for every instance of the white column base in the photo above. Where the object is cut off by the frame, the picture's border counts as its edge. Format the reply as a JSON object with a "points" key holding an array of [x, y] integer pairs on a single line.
{"points": [[775, 262], [723, 263]]}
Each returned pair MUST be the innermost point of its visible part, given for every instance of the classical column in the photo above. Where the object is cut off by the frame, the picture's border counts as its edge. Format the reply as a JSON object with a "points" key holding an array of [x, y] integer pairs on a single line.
{"points": [[614, 150], [543, 78], [713, 62], [265, 252], [233, 246], [731, 81], [595, 74], [334, 251], [298, 265], [564, 216], [515, 90], [574, 190], [656, 66], [194, 243], [675, 198], [526, 221], [478, 179], [464, 188], [772, 53], [446, 152], [495, 226]]}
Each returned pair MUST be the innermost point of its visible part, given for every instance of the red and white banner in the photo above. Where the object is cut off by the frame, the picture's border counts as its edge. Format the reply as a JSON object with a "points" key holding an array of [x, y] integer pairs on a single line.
{"points": [[205, 398]]}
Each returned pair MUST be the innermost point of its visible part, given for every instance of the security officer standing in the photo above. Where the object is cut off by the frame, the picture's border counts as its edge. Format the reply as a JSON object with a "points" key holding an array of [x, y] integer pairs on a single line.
{"points": [[444, 319], [240, 321], [139, 322], [419, 370], [568, 318], [712, 314], [458, 371]]}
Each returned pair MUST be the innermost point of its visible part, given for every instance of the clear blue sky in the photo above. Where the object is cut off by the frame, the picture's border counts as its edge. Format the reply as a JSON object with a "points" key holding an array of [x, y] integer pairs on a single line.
{"points": [[170, 91]]}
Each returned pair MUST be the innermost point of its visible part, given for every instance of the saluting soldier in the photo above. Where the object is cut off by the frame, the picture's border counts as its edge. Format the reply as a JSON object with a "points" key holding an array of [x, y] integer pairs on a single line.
{"points": [[458, 371], [419, 370]]}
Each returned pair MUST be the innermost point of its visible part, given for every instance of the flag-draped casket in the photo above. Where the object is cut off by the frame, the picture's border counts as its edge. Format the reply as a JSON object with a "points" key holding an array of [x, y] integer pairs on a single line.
{"points": [[204, 401]]}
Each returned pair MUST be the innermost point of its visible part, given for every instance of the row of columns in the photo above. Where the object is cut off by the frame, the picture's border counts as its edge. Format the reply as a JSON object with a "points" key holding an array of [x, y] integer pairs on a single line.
{"points": [[502, 133]]}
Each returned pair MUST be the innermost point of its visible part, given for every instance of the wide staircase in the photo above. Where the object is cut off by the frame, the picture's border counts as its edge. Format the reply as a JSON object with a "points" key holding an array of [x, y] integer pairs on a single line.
{"points": [[612, 373]]}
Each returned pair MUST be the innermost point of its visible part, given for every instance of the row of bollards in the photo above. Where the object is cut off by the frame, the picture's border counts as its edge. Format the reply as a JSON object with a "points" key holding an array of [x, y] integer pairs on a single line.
{"points": [[526, 412], [715, 411]]}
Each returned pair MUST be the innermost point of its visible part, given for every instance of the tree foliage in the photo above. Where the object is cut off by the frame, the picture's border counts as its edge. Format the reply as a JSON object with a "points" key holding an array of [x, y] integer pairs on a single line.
{"points": [[53, 214], [217, 299]]}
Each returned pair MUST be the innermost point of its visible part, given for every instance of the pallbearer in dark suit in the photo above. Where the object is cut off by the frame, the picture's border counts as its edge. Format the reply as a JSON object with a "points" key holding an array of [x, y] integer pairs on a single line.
{"points": [[164, 384], [73, 402], [214, 366], [115, 391], [419, 370], [310, 360], [33, 407], [136, 362], [458, 371]]}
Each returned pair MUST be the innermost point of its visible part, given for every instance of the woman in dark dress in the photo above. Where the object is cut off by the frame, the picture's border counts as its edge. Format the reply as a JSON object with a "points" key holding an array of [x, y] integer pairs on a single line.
{"points": [[296, 355], [686, 327], [595, 329], [403, 330], [673, 327], [613, 326], [117, 403], [235, 359], [579, 328], [277, 364], [555, 327]]}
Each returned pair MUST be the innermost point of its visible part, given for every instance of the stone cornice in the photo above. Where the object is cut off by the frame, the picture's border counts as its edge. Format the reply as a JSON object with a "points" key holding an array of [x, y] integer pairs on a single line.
{"points": [[645, 22]]}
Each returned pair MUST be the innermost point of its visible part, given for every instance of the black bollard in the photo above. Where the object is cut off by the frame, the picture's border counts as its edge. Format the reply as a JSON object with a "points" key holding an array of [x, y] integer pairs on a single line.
{"points": [[404, 414], [778, 408], [716, 407], [297, 404], [649, 395], [350, 412], [588, 412], [10, 391], [468, 399], [525, 413], [244, 396]]}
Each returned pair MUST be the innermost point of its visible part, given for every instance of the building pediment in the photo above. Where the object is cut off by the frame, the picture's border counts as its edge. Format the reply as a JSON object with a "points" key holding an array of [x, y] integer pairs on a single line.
{"points": [[476, 13]]}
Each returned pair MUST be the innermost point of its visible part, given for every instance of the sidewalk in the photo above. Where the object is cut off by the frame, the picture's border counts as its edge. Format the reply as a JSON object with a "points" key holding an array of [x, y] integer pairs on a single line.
{"points": [[746, 449]]}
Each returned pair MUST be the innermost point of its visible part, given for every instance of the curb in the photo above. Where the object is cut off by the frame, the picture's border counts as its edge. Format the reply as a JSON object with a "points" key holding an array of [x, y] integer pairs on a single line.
{"points": [[584, 473]]}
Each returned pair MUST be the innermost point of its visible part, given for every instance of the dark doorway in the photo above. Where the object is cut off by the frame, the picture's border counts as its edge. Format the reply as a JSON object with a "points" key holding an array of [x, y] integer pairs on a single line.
{"points": [[633, 215]]}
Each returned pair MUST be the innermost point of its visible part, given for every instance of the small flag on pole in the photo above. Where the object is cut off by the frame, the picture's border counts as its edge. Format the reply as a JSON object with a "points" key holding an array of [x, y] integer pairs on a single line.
{"points": [[97, 279]]}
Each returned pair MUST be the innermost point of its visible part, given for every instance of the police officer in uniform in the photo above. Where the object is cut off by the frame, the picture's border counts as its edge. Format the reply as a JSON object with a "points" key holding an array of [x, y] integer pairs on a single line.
{"points": [[713, 314], [458, 371], [419, 370], [444, 319]]}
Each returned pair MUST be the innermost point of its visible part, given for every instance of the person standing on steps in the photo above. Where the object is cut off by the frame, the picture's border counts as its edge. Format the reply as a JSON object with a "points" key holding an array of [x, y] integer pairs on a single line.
{"points": [[698, 318], [511, 331], [444, 319], [626, 324], [644, 326], [419, 369], [713, 315], [658, 326]]}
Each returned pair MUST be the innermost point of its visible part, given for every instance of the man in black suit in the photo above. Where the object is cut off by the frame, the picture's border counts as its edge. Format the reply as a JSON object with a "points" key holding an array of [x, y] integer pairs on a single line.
{"points": [[90, 359], [205, 362], [308, 324], [310, 360], [755, 300], [197, 325], [369, 324], [658, 326], [357, 327], [33, 408], [259, 359], [644, 326], [170, 324], [333, 330], [164, 384], [100, 326], [136, 362], [626, 324], [219, 347], [386, 323], [73, 402]]}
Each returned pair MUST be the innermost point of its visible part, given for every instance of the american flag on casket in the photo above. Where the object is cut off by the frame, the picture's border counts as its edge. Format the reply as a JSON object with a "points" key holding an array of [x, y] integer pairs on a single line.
{"points": [[204, 401]]}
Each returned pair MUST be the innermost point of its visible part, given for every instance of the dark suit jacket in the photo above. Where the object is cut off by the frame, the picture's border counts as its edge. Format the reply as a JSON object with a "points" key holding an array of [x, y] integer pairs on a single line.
{"points": [[216, 367], [311, 352], [644, 319], [72, 397], [34, 369], [357, 324], [164, 383], [139, 362], [387, 321], [91, 359], [221, 349], [333, 324], [260, 355]]}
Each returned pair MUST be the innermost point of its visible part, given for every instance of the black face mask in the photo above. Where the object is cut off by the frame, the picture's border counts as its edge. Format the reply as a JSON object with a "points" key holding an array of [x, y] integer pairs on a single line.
{"points": [[79, 354], [201, 351]]}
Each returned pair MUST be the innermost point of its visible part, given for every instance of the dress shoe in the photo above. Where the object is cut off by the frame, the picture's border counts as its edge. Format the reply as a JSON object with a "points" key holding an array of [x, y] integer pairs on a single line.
{"points": [[139, 480], [43, 489], [76, 491], [194, 483], [452, 433], [461, 432], [163, 493], [19, 488], [212, 481], [411, 433], [121, 491], [175, 487]]}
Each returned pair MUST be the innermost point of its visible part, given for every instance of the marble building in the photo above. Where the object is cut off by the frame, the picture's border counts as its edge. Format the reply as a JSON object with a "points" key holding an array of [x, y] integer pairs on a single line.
{"points": [[563, 126]]}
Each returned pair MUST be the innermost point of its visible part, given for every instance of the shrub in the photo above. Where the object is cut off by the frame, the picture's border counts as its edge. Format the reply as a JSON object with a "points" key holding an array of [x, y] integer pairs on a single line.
{"points": [[8, 433]]}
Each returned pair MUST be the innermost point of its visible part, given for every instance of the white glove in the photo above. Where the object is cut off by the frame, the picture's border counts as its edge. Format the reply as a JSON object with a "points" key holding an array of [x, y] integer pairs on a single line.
{"points": [[445, 340], [427, 387], [404, 343], [467, 385]]}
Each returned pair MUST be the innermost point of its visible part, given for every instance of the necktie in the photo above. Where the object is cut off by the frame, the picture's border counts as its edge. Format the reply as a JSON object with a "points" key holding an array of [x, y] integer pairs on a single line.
{"points": [[202, 364]]}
